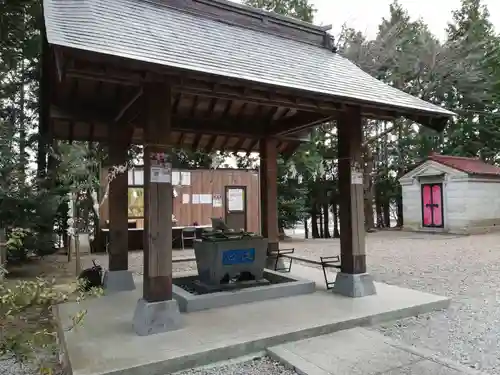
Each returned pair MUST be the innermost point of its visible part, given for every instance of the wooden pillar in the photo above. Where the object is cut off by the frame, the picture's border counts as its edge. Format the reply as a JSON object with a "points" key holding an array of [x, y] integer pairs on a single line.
{"points": [[118, 207], [352, 232], [157, 196], [269, 191], [352, 280]]}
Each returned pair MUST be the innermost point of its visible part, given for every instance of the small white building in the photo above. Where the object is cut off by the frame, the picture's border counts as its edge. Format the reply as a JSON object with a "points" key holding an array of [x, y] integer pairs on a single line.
{"points": [[452, 194]]}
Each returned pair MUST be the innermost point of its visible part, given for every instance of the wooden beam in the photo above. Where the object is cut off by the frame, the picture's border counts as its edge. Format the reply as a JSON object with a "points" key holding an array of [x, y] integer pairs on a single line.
{"points": [[350, 160], [297, 123], [157, 196], [268, 170]]}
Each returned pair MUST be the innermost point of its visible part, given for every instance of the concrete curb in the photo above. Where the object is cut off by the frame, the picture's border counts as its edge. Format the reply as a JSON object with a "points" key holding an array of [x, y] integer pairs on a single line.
{"points": [[64, 360]]}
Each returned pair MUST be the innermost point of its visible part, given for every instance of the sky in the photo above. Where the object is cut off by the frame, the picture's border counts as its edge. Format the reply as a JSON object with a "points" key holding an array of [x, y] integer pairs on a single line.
{"points": [[365, 15]]}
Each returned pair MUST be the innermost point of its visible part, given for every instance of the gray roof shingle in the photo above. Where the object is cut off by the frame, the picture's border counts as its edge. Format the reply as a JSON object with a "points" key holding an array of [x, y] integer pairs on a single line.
{"points": [[148, 31]]}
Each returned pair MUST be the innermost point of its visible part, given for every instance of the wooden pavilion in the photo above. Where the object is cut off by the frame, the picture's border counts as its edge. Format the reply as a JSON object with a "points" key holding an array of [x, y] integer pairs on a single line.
{"points": [[208, 74]]}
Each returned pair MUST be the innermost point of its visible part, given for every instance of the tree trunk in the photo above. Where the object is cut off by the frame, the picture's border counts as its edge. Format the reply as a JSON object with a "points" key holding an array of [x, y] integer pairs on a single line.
{"points": [[22, 128], [379, 210], [314, 222], [336, 233], [281, 232], [326, 219], [399, 204], [306, 229], [387, 214], [321, 234], [368, 189]]}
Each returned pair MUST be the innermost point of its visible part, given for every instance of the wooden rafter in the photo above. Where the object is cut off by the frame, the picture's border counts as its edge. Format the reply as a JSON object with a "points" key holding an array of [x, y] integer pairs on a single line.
{"points": [[197, 84], [211, 143], [211, 106], [196, 143], [175, 105], [253, 128], [181, 139], [239, 145], [223, 145], [194, 106], [254, 144], [128, 105], [227, 108]]}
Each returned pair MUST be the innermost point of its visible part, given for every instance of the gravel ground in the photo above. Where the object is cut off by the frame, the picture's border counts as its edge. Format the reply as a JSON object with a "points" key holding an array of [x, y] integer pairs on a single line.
{"points": [[257, 366], [467, 269], [9, 367], [135, 261]]}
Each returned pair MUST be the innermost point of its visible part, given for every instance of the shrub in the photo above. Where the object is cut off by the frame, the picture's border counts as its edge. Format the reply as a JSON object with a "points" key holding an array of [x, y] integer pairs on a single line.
{"points": [[27, 328]]}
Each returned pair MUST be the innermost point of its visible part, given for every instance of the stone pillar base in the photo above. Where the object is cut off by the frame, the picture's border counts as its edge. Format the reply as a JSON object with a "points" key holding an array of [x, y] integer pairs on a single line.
{"points": [[156, 317], [359, 285], [118, 281]]}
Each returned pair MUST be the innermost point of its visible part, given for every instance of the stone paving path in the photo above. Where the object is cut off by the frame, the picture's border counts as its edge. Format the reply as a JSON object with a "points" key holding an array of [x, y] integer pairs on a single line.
{"points": [[362, 352]]}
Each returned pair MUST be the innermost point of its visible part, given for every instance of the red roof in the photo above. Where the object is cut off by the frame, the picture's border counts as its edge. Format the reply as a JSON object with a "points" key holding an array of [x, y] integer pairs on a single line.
{"points": [[467, 165]]}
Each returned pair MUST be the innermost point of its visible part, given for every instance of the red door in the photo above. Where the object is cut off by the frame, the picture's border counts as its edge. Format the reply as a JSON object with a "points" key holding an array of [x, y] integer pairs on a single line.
{"points": [[432, 205]]}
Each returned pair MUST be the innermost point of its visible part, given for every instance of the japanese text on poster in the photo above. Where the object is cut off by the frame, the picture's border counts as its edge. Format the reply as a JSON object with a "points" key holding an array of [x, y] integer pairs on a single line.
{"points": [[161, 169]]}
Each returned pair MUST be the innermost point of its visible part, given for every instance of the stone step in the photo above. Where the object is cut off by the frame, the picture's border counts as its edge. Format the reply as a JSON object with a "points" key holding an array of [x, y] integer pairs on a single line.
{"points": [[360, 351]]}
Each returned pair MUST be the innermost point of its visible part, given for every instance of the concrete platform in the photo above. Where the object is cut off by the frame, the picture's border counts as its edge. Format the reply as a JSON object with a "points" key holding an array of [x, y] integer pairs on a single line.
{"points": [[106, 343], [360, 351]]}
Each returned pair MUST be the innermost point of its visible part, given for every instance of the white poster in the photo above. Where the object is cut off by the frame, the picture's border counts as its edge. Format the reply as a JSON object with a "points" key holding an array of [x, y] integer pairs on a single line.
{"points": [[205, 198], [161, 170], [195, 198], [186, 178], [185, 198], [176, 178], [356, 177], [235, 200], [217, 200]]}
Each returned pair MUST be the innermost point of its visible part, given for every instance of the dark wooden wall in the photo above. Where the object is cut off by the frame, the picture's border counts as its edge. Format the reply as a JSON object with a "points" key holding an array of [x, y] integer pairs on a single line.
{"points": [[211, 182]]}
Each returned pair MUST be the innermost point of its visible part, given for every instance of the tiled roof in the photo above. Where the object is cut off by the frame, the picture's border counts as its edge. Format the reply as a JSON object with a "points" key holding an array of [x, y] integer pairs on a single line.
{"points": [[151, 31], [468, 165]]}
